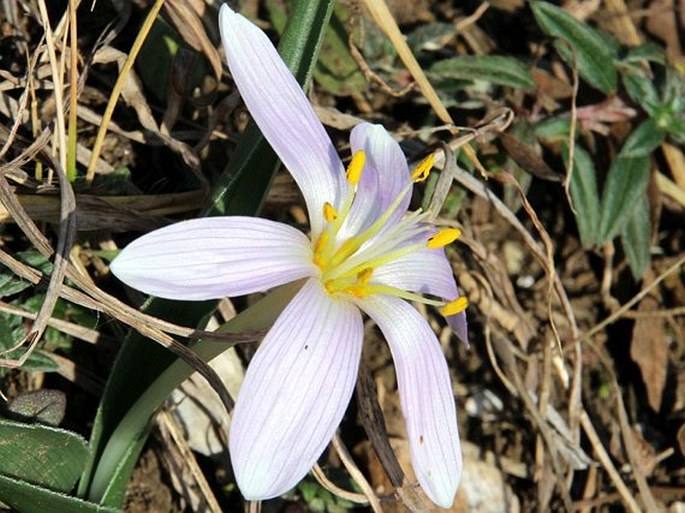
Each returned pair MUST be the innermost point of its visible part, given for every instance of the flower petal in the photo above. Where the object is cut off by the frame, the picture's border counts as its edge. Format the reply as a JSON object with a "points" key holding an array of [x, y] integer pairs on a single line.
{"points": [[295, 392], [426, 271], [385, 176], [283, 113], [215, 257], [425, 394]]}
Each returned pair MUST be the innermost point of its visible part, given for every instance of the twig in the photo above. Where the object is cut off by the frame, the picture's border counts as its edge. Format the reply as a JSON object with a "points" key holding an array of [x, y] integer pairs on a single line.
{"points": [[635, 299], [356, 474]]}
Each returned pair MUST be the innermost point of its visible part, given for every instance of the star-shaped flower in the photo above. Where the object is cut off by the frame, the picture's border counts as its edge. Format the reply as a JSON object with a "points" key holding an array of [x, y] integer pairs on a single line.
{"points": [[365, 252]]}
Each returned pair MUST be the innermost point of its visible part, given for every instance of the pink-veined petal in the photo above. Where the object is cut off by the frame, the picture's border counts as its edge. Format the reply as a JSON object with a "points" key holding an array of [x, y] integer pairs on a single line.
{"points": [[384, 177], [425, 394], [215, 257], [295, 392], [426, 271], [283, 113]]}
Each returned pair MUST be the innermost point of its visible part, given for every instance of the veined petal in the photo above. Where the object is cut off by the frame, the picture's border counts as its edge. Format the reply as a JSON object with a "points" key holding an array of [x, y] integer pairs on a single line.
{"points": [[426, 271], [295, 392], [215, 257], [385, 176], [425, 394], [283, 113]]}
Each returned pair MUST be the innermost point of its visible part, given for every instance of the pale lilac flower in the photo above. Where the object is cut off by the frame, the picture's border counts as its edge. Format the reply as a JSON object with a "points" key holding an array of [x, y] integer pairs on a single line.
{"points": [[365, 253]]}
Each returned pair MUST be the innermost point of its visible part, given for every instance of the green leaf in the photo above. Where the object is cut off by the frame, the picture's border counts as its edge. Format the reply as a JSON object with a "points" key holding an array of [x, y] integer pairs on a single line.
{"points": [[12, 332], [142, 367], [488, 68], [626, 181], [11, 284], [554, 129], [42, 455], [426, 37], [643, 140], [646, 52], [584, 194], [641, 90], [593, 55], [28, 498], [636, 237], [337, 71]]}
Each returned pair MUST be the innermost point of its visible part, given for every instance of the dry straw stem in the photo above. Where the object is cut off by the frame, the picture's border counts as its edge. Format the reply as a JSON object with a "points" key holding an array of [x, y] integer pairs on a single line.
{"points": [[187, 476], [384, 19], [119, 84], [96, 298], [356, 474], [670, 188], [58, 85], [61, 255]]}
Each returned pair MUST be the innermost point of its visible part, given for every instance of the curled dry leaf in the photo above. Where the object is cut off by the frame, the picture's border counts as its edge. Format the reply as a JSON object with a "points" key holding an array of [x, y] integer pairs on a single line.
{"points": [[649, 350]]}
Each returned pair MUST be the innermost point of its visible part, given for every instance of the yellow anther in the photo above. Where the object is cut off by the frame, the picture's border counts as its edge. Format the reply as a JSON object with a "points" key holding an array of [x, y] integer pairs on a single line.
{"points": [[455, 307], [364, 276], [321, 243], [330, 286], [357, 291], [354, 170], [422, 170], [329, 212], [443, 238]]}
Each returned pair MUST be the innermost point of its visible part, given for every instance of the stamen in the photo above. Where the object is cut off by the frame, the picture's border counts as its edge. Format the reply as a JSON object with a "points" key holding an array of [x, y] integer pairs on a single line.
{"points": [[455, 307], [363, 277], [422, 170], [354, 170], [443, 238], [321, 242], [329, 212]]}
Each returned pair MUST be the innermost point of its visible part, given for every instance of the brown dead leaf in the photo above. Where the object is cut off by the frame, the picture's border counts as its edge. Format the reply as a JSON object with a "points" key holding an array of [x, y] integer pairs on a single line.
{"points": [[649, 350], [193, 32], [525, 156], [663, 24]]}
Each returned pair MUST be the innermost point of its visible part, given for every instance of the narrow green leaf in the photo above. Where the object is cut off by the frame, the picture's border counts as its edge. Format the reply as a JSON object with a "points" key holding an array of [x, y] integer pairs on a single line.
{"points": [[636, 237], [650, 52], [641, 90], [626, 181], [593, 55], [643, 140], [43, 455], [488, 68], [28, 498], [584, 194]]}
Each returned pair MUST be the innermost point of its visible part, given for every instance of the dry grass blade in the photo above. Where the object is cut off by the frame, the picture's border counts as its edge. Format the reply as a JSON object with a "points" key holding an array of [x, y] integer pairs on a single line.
{"points": [[57, 81], [190, 27], [186, 472], [356, 474], [371, 418], [61, 254], [114, 96], [383, 17]]}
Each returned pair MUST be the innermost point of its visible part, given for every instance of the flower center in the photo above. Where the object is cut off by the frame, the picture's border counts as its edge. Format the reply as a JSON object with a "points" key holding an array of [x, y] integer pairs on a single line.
{"points": [[347, 266]]}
